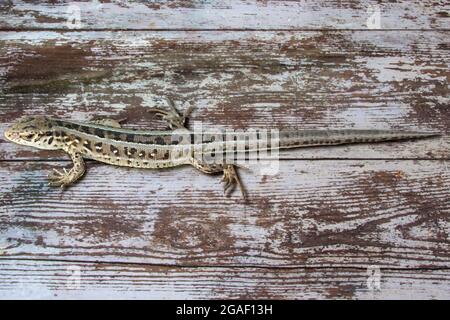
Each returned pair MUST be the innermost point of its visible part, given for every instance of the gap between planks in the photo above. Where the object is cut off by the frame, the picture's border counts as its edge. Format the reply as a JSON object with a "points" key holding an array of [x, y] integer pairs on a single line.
{"points": [[241, 266], [217, 30]]}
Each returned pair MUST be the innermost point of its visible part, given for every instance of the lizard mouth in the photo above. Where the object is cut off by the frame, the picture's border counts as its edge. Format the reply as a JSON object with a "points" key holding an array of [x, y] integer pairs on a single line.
{"points": [[10, 135]]}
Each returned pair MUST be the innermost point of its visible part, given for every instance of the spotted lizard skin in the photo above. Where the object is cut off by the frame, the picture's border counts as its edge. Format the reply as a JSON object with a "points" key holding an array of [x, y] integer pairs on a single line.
{"points": [[106, 141]]}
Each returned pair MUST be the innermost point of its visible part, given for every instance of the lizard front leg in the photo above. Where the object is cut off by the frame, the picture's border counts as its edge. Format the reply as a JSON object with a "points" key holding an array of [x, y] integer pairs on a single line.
{"points": [[68, 177]]}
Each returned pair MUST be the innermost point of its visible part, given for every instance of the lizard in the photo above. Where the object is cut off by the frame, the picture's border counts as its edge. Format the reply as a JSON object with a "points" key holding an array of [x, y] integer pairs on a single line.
{"points": [[105, 140]]}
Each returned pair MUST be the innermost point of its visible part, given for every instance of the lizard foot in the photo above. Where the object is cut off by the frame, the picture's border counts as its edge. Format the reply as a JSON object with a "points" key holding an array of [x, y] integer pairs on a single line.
{"points": [[231, 179], [175, 120], [57, 178]]}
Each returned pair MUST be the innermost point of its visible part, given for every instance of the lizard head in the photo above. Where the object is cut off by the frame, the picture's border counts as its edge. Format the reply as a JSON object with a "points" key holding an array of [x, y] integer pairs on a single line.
{"points": [[32, 131]]}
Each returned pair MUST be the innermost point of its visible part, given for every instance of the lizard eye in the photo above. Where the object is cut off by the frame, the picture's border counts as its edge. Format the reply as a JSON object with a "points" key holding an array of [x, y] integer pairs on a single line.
{"points": [[28, 136]]}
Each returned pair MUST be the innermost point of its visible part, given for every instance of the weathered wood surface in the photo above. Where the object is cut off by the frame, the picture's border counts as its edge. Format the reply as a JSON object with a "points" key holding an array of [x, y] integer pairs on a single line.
{"points": [[311, 230], [229, 14], [312, 213], [49, 280], [236, 80]]}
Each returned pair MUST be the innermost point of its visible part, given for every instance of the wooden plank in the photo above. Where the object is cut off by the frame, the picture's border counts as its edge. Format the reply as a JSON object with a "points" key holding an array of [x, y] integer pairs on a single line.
{"points": [[229, 14], [62, 280], [311, 213], [236, 80]]}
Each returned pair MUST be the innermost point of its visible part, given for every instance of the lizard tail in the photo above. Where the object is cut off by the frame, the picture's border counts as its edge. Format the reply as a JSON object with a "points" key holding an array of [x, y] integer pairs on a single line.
{"points": [[306, 138]]}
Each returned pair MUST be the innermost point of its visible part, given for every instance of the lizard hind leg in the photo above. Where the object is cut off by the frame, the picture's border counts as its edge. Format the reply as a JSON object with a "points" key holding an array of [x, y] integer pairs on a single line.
{"points": [[230, 176], [231, 179], [172, 116]]}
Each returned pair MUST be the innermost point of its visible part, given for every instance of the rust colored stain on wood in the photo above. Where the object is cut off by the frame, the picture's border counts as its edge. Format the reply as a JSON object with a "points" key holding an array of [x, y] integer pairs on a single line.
{"points": [[51, 68], [325, 80], [312, 213], [173, 230], [234, 15]]}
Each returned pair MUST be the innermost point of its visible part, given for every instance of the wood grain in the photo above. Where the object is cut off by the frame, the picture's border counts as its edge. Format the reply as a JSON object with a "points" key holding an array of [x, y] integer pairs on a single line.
{"points": [[225, 15], [309, 231], [50, 280], [342, 79], [309, 214]]}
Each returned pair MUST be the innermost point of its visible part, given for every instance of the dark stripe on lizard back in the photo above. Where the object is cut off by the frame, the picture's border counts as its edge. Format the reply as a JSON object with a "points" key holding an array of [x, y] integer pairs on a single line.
{"points": [[157, 138]]}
